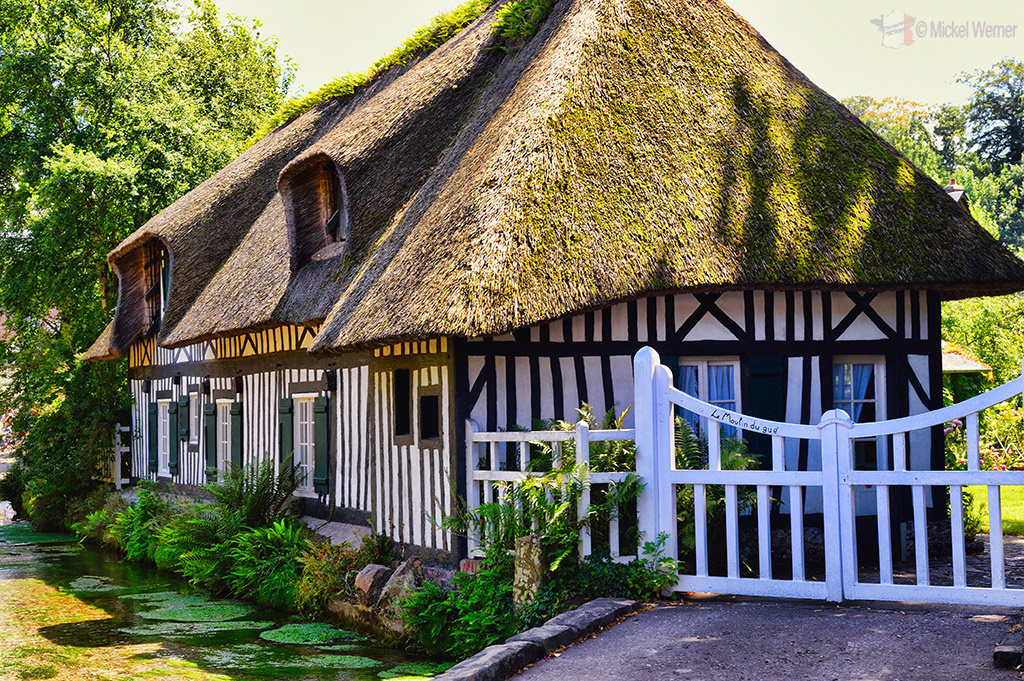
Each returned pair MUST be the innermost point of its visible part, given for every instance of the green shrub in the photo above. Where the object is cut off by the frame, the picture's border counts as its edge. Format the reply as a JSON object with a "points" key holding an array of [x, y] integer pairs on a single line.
{"points": [[327, 572], [473, 613], [98, 525], [518, 21], [598, 576], [265, 564], [376, 548]]}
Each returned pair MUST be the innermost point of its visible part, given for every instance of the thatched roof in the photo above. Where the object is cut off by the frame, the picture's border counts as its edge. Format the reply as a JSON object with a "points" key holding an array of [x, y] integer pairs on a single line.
{"points": [[631, 147]]}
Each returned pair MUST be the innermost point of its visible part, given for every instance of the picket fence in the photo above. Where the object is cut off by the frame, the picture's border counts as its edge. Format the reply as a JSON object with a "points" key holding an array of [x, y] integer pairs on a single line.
{"points": [[657, 401]]}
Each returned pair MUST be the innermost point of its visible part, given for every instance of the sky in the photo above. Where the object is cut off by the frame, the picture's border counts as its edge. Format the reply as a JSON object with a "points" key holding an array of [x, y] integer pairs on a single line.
{"points": [[834, 42]]}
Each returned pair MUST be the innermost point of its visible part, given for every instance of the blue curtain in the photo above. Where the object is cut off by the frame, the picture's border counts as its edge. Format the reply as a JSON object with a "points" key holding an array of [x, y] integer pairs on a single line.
{"points": [[723, 393], [863, 374], [688, 384], [851, 386]]}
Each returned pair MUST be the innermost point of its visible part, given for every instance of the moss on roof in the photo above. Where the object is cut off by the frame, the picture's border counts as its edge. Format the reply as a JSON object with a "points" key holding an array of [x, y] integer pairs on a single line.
{"points": [[423, 41]]}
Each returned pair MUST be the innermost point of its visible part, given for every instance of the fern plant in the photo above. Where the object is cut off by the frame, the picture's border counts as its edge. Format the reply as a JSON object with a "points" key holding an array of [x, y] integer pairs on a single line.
{"points": [[256, 493], [265, 564]]}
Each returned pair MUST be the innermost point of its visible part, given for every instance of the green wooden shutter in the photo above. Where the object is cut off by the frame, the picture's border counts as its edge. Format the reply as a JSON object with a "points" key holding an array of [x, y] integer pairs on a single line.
{"points": [[154, 435], [236, 434], [764, 398], [321, 447], [210, 425], [286, 433], [183, 418], [172, 428]]}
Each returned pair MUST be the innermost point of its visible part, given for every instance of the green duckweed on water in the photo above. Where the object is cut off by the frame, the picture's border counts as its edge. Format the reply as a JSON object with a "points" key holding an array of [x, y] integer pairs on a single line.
{"points": [[94, 584], [349, 647], [167, 599], [341, 661], [176, 629], [269, 661], [415, 670], [310, 633], [210, 612]]}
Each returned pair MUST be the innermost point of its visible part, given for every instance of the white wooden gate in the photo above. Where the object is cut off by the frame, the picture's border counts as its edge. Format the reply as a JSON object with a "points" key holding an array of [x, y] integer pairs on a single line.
{"points": [[656, 402]]}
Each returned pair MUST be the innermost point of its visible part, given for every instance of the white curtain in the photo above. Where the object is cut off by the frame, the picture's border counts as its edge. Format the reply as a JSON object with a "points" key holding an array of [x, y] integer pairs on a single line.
{"points": [[721, 386]]}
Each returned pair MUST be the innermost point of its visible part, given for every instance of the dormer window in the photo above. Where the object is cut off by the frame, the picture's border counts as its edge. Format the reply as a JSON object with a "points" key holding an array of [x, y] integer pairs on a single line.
{"points": [[316, 208], [157, 281]]}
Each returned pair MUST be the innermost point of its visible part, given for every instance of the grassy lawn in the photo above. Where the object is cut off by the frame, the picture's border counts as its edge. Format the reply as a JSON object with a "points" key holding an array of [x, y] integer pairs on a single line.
{"points": [[1012, 504]]}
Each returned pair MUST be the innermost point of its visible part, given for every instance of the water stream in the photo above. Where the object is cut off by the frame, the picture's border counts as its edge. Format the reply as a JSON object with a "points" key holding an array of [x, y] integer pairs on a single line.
{"points": [[69, 611]]}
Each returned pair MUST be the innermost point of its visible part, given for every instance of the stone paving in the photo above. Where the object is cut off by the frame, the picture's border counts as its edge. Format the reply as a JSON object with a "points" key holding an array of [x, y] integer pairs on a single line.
{"points": [[337, 533], [979, 571]]}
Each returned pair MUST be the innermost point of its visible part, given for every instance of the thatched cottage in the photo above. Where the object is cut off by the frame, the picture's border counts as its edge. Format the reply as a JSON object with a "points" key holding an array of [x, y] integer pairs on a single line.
{"points": [[491, 236]]}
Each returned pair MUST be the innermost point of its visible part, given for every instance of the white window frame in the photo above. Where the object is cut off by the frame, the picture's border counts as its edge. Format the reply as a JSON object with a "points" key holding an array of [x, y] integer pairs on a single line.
{"points": [[163, 438], [703, 393], [304, 441], [864, 498], [223, 434], [195, 416]]}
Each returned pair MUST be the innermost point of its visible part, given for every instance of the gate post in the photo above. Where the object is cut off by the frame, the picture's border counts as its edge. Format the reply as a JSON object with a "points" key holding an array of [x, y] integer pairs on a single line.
{"points": [[645, 405], [837, 504]]}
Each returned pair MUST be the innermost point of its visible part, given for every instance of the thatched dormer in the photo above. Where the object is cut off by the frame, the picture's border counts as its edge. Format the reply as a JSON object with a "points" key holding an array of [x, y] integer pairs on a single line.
{"points": [[316, 209]]}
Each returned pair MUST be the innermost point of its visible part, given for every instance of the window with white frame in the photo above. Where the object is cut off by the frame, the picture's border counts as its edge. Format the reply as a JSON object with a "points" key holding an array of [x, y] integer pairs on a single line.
{"points": [[194, 416], [304, 442], [163, 433], [714, 380], [858, 388], [223, 434]]}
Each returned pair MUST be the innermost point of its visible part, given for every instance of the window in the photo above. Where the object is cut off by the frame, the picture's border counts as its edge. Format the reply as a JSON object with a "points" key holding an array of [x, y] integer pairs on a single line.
{"points": [[163, 447], [304, 442], [315, 208], [223, 434], [716, 381], [331, 203], [430, 417], [165, 278], [157, 281], [858, 388], [403, 403], [194, 415]]}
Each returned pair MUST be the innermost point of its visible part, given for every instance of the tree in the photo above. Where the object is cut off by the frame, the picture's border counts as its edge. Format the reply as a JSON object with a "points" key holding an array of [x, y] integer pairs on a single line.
{"points": [[996, 113], [109, 111]]}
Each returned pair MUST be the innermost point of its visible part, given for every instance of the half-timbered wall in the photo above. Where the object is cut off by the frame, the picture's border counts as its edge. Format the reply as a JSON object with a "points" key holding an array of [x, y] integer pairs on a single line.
{"points": [[401, 485], [256, 343], [412, 481], [259, 397], [547, 370]]}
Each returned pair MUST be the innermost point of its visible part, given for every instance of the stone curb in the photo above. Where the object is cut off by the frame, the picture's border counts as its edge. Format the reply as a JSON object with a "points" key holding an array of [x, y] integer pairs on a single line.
{"points": [[1006, 657], [499, 662]]}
